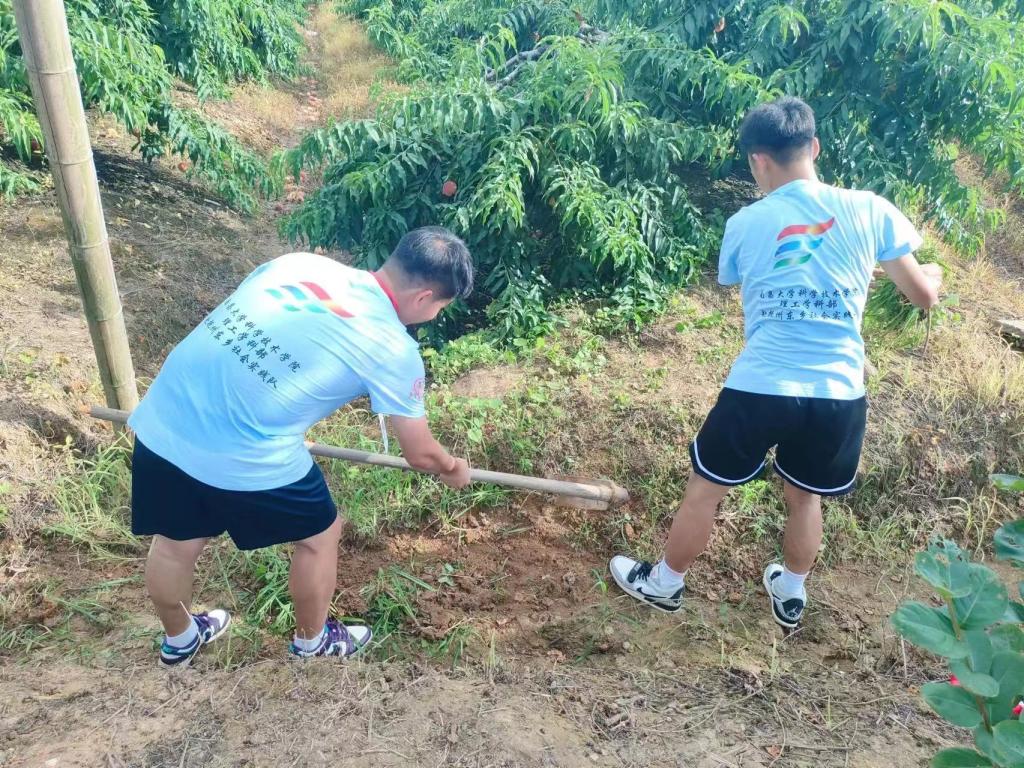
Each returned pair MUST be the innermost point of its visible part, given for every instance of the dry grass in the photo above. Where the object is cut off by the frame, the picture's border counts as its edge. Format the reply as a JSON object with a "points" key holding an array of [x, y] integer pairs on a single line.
{"points": [[628, 713], [349, 64], [945, 416], [263, 117], [968, 366]]}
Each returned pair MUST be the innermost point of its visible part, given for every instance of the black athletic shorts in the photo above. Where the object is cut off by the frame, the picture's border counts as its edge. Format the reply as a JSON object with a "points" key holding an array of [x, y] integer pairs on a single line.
{"points": [[168, 502], [817, 441]]}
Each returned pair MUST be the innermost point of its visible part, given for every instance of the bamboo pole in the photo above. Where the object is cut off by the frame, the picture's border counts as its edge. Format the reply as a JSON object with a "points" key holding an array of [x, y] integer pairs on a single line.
{"points": [[602, 492], [46, 48]]}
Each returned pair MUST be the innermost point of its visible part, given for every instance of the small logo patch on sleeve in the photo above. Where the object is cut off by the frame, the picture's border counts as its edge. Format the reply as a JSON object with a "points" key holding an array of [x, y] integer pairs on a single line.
{"points": [[417, 389]]}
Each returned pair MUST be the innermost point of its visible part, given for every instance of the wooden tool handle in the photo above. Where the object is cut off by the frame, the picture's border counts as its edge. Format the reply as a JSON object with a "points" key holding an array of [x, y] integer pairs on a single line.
{"points": [[605, 491]]}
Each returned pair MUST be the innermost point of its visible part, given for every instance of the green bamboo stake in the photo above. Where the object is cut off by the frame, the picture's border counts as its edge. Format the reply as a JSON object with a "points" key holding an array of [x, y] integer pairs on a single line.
{"points": [[46, 48]]}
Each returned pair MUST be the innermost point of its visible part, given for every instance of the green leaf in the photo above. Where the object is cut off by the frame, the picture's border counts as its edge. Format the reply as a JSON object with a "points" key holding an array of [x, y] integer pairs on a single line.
{"points": [[1007, 637], [1008, 671], [987, 601], [984, 742], [974, 682], [954, 704], [1008, 483], [929, 629], [980, 646], [1008, 739], [1014, 612], [960, 757], [952, 300], [945, 568], [1009, 541]]}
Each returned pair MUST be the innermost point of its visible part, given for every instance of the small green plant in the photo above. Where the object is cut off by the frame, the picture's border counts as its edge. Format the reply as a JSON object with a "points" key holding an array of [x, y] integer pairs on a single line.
{"points": [[474, 350], [391, 609], [447, 576], [712, 320], [5, 490], [390, 601], [978, 630], [759, 502], [271, 604], [92, 504], [1009, 483], [454, 643]]}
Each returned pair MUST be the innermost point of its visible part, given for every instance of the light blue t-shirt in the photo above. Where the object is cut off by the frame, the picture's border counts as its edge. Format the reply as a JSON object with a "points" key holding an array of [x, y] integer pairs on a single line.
{"points": [[804, 256], [300, 337]]}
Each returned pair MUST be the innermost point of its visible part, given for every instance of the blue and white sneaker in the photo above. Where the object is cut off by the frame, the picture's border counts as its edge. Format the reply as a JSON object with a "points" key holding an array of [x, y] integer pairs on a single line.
{"points": [[787, 611], [639, 579], [339, 640], [211, 624]]}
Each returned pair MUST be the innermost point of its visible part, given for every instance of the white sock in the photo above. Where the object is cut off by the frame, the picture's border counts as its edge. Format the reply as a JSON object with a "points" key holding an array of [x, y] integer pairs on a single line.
{"points": [[186, 638], [790, 584], [309, 645], [667, 577]]}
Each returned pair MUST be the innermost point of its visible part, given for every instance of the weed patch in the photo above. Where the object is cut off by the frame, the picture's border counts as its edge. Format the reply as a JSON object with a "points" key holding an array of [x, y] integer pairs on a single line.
{"points": [[92, 502]]}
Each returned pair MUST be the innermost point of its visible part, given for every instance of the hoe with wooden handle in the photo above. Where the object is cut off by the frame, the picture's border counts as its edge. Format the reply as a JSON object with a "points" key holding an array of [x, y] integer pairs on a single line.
{"points": [[584, 494]]}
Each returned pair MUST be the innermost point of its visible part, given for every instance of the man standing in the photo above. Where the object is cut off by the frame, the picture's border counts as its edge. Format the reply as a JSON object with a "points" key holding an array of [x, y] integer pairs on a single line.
{"points": [[804, 257], [220, 433]]}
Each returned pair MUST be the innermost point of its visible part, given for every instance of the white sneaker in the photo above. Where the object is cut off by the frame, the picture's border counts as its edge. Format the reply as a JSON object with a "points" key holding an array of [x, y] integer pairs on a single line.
{"points": [[211, 625], [339, 640], [787, 611], [635, 578]]}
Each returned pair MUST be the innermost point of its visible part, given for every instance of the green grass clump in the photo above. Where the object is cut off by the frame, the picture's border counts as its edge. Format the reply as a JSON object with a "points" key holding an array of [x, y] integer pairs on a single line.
{"points": [[92, 504]]}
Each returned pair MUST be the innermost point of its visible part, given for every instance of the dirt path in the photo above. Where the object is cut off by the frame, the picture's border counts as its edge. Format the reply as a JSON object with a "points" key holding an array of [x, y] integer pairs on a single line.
{"points": [[558, 669], [612, 687]]}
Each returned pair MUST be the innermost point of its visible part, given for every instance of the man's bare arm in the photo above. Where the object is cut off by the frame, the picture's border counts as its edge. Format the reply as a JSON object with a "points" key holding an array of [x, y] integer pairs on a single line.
{"points": [[920, 283], [423, 452]]}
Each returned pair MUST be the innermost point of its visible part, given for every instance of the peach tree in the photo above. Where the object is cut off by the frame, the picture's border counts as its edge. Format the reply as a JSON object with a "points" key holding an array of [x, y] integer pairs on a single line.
{"points": [[128, 53], [583, 138]]}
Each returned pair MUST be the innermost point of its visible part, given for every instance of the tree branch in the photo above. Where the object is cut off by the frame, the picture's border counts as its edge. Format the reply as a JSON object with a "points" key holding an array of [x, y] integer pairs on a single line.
{"points": [[514, 66]]}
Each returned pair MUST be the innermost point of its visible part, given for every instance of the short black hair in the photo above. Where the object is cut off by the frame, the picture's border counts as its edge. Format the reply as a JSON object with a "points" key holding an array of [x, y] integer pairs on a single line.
{"points": [[436, 256], [782, 129]]}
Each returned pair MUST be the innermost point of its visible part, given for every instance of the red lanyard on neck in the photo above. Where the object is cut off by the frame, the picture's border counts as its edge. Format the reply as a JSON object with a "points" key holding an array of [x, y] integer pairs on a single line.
{"points": [[387, 290]]}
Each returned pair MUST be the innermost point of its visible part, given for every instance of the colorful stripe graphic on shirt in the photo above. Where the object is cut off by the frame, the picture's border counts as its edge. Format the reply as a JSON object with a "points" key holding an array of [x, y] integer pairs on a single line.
{"points": [[807, 229], [320, 302], [800, 242]]}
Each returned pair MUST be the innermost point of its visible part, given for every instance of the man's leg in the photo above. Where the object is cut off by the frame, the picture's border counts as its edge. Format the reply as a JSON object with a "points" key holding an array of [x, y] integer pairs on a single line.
{"points": [[312, 581], [169, 571], [168, 504], [313, 578], [785, 583], [803, 529], [818, 457], [303, 514], [693, 523], [661, 585]]}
